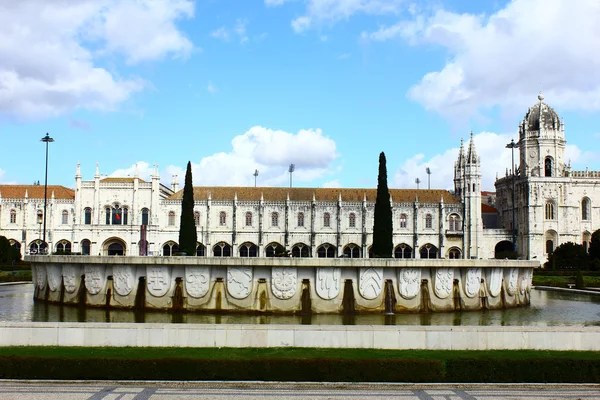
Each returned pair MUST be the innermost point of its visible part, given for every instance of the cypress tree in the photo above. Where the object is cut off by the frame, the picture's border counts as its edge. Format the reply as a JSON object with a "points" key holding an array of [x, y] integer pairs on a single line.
{"points": [[382, 226], [595, 245], [188, 236]]}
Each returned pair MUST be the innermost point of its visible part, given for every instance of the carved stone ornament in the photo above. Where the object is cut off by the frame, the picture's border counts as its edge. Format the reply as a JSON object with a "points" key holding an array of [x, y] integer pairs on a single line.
{"points": [[328, 282], [54, 273], [158, 280], [40, 276], [409, 282], [370, 283], [473, 282], [525, 281], [444, 279], [239, 281], [495, 281], [513, 280], [197, 281], [123, 279], [283, 282], [95, 280], [69, 273]]}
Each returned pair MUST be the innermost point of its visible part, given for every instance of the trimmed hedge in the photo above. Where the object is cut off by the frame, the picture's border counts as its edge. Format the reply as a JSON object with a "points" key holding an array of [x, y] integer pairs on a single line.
{"points": [[264, 369], [564, 272], [16, 267], [539, 370]]}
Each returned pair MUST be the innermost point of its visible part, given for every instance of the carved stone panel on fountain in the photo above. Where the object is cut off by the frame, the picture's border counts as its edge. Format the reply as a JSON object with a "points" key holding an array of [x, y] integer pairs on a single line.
{"points": [[40, 275], [123, 279], [495, 282], [370, 282], [328, 282], [444, 279], [158, 280], [95, 279], [283, 282], [239, 281], [69, 273], [473, 282], [525, 281], [54, 276], [409, 282], [197, 281], [513, 281]]}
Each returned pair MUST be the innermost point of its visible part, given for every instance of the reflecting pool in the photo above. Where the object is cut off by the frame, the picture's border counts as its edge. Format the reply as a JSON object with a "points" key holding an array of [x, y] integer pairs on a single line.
{"points": [[547, 309]]}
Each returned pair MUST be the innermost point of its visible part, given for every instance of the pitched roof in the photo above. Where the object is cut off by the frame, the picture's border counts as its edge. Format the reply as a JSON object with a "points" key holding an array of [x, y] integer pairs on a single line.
{"points": [[488, 209], [35, 191], [321, 194], [123, 180]]}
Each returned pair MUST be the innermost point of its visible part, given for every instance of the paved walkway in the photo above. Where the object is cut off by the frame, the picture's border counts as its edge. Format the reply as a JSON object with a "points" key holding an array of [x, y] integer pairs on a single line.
{"points": [[53, 390]]}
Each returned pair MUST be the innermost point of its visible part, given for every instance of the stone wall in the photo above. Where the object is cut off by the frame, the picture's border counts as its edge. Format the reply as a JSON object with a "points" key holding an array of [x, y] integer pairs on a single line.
{"points": [[283, 285]]}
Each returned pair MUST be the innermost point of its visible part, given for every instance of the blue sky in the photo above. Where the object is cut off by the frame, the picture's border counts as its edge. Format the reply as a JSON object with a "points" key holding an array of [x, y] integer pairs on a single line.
{"points": [[239, 85]]}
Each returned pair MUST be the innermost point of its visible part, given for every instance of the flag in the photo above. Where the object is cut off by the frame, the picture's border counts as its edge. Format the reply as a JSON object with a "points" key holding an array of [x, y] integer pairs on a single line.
{"points": [[118, 216]]}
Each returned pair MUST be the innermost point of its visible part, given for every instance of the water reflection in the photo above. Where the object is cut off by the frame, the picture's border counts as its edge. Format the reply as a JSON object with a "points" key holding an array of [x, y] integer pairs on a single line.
{"points": [[547, 309]]}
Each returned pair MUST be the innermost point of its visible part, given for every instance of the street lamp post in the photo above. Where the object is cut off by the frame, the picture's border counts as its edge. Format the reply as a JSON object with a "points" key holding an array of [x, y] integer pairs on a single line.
{"points": [[417, 181], [512, 145], [255, 176], [428, 177], [46, 139], [291, 171]]}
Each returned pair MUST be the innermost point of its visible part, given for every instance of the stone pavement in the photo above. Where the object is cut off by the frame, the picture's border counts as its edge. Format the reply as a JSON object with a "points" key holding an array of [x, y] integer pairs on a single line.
{"points": [[53, 390]]}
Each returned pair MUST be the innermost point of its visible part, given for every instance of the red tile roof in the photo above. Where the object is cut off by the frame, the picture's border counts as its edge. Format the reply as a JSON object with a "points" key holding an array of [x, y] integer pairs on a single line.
{"points": [[488, 209], [35, 191]]}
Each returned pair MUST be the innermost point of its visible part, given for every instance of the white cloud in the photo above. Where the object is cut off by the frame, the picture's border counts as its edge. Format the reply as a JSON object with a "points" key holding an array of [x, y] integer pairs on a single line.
{"points": [[2, 172], [319, 12], [269, 151], [143, 168], [239, 30], [222, 33], [211, 88], [50, 51], [505, 58], [332, 184], [343, 56]]}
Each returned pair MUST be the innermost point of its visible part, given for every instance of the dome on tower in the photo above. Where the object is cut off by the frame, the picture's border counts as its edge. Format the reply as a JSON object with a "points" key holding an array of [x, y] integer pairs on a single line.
{"points": [[541, 116]]}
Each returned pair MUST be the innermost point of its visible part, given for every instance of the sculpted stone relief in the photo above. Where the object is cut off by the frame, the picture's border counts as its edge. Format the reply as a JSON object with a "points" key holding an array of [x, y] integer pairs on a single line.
{"points": [[123, 279], [328, 282], [69, 273], [197, 281], [239, 281], [370, 282], [513, 279], [526, 280], [158, 280], [94, 278], [473, 282], [54, 273], [409, 282], [40, 275], [444, 279], [495, 281], [283, 282]]}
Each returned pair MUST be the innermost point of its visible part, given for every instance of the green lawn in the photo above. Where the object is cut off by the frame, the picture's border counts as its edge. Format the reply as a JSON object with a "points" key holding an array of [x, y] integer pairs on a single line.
{"points": [[15, 276], [563, 281]]}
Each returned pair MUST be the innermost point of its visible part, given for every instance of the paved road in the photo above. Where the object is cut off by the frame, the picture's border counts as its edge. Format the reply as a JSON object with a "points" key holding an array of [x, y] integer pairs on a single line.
{"points": [[53, 390]]}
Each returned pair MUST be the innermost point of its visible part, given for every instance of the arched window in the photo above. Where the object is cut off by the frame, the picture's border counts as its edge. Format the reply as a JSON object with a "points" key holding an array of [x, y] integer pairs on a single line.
{"points": [[403, 251], [551, 240], [248, 249], [549, 246], [352, 251], [222, 218], [87, 216], [85, 247], [119, 215], [200, 250], [274, 219], [300, 219], [248, 218], [64, 246], [586, 239], [274, 249], [197, 218], [585, 209], [429, 251], [171, 218], [428, 221], [13, 217], [222, 249], [326, 251], [454, 253], [40, 216], [108, 213], [403, 218], [301, 250], [549, 210], [65, 217], [170, 249], [454, 220], [145, 216], [326, 220], [352, 220], [548, 166]]}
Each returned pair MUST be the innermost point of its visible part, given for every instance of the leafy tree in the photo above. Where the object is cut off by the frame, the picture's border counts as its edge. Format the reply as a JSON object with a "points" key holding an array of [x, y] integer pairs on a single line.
{"points": [[595, 245], [569, 256], [579, 283], [188, 237], [8, 254], [383, 246]]}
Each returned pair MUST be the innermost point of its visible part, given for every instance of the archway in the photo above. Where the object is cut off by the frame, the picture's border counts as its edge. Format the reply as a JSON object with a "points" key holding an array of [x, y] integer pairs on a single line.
{"points": [[352, 250], [503, 249], [114, 247], [274, 250], [326, 250], [428, 251], [403, 251], [248, 249], [301, 250]]}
